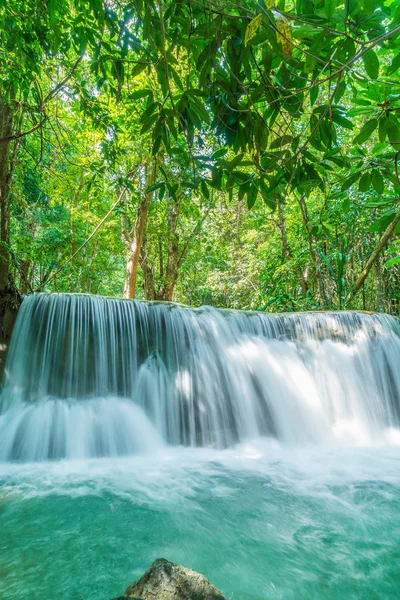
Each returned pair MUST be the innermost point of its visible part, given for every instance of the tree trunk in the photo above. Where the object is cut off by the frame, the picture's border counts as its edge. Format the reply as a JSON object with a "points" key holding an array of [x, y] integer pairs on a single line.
{"points": [[135, 243], [379, 290], [313, 251], [286, 251], [282, 227], [5, 184], [25, 266], [149, 287], [173, 264]]}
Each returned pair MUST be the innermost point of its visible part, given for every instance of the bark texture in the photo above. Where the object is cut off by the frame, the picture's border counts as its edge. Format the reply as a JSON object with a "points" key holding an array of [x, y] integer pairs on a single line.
{"points": [[133, 240]]}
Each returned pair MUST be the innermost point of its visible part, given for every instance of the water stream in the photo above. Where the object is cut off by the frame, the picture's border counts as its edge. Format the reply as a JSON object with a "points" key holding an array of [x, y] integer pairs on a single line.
{"points": [[262, 450]]}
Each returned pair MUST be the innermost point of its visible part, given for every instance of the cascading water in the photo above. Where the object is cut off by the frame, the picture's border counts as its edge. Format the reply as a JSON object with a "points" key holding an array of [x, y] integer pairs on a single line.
{"points": [[88, 376], [225, 441]]}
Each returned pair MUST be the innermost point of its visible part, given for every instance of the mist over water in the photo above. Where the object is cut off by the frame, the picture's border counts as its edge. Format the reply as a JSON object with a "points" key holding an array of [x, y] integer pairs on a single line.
{"points": [[261, 450]]}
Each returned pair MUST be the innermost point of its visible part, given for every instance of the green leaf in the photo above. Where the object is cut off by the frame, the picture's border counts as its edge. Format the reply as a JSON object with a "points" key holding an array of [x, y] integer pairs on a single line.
{"points": [[251, 196], [314, 94], [395, 66], [382, 223], [341, 120], [392, 261], [251, 28], [329, 7], [156, 145], [383, 128], [394, 135], [349, 181], [340, 90], [281, 141], [139, 94], [154, 187], [377, 181], [364, 183], [366, 131], [216, 179], [371, 64], [220, 153], [346, 205], [149, 111], [137, 69], [149, 123], [204, 190], [236, 161]]}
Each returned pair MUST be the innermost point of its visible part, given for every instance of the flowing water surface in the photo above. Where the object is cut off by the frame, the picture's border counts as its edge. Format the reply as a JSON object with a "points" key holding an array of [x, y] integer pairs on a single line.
{"points": [[260, 521], [261, 450]]}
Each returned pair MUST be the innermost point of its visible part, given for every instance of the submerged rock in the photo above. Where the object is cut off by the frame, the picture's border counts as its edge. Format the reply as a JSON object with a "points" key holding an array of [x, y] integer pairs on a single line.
{"points": [[167, 581]]}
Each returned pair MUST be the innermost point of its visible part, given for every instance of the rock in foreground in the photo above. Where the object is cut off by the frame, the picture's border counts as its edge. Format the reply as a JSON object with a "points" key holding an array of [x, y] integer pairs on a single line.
{"points": [[166, 581]]}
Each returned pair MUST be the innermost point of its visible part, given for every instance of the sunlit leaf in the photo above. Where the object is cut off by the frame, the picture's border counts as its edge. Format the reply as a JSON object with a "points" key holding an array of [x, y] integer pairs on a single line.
{"points": [[251, 28]]}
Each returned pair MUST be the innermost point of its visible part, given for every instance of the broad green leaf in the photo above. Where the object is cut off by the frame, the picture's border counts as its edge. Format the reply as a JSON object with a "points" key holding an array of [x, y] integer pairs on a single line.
{"points": [[366, 131], [382, 223], [346, 204], [139, 94], [329, 7], [156, 145], [204, 190], [220, 153], [371, 64], [341, 120], [364, 183], [379, 203], [242, 191], [383, 128], [281, 141], [349, 181], [314, 94], [393, 261], [395, 66], [367, 110], [147, 125], [394, 135], [149, 111], [216, 179], [340, 90], [251, 196], [377, 181], [155, 187], [251, 28], [137, 69]]}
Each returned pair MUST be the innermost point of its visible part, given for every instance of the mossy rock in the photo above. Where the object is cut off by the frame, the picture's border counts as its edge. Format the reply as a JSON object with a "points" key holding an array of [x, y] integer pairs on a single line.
{"points": [[167, 581]]}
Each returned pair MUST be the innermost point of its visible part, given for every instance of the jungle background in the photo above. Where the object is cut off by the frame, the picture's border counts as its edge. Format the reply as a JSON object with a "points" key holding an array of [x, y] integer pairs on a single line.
{"points": [[236, 154]]}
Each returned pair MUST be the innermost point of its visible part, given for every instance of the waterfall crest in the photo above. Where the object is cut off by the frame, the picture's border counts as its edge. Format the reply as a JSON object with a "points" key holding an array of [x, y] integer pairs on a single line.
{"points": [[90, 376]]}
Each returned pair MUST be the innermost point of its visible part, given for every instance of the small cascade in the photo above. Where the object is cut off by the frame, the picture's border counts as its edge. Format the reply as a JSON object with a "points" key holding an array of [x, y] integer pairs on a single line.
{"points": [[88, 376]]}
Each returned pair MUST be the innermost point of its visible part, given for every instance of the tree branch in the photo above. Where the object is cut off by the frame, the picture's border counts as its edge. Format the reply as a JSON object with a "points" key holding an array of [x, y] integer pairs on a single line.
{"points": [[370, 262], [62, 83], [22, 134]]}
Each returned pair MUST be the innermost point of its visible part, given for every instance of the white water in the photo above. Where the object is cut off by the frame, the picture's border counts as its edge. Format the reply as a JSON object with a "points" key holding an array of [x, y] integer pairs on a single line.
{"points": [[89, 376]]}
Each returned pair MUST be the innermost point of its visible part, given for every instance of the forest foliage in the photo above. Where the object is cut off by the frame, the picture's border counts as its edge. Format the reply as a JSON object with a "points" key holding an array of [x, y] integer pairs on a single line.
{"points": [[240, 154]]}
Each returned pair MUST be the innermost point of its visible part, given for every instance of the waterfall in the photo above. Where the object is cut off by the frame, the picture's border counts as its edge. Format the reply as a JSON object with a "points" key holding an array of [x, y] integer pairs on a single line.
{"points": [[89, 376]]}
